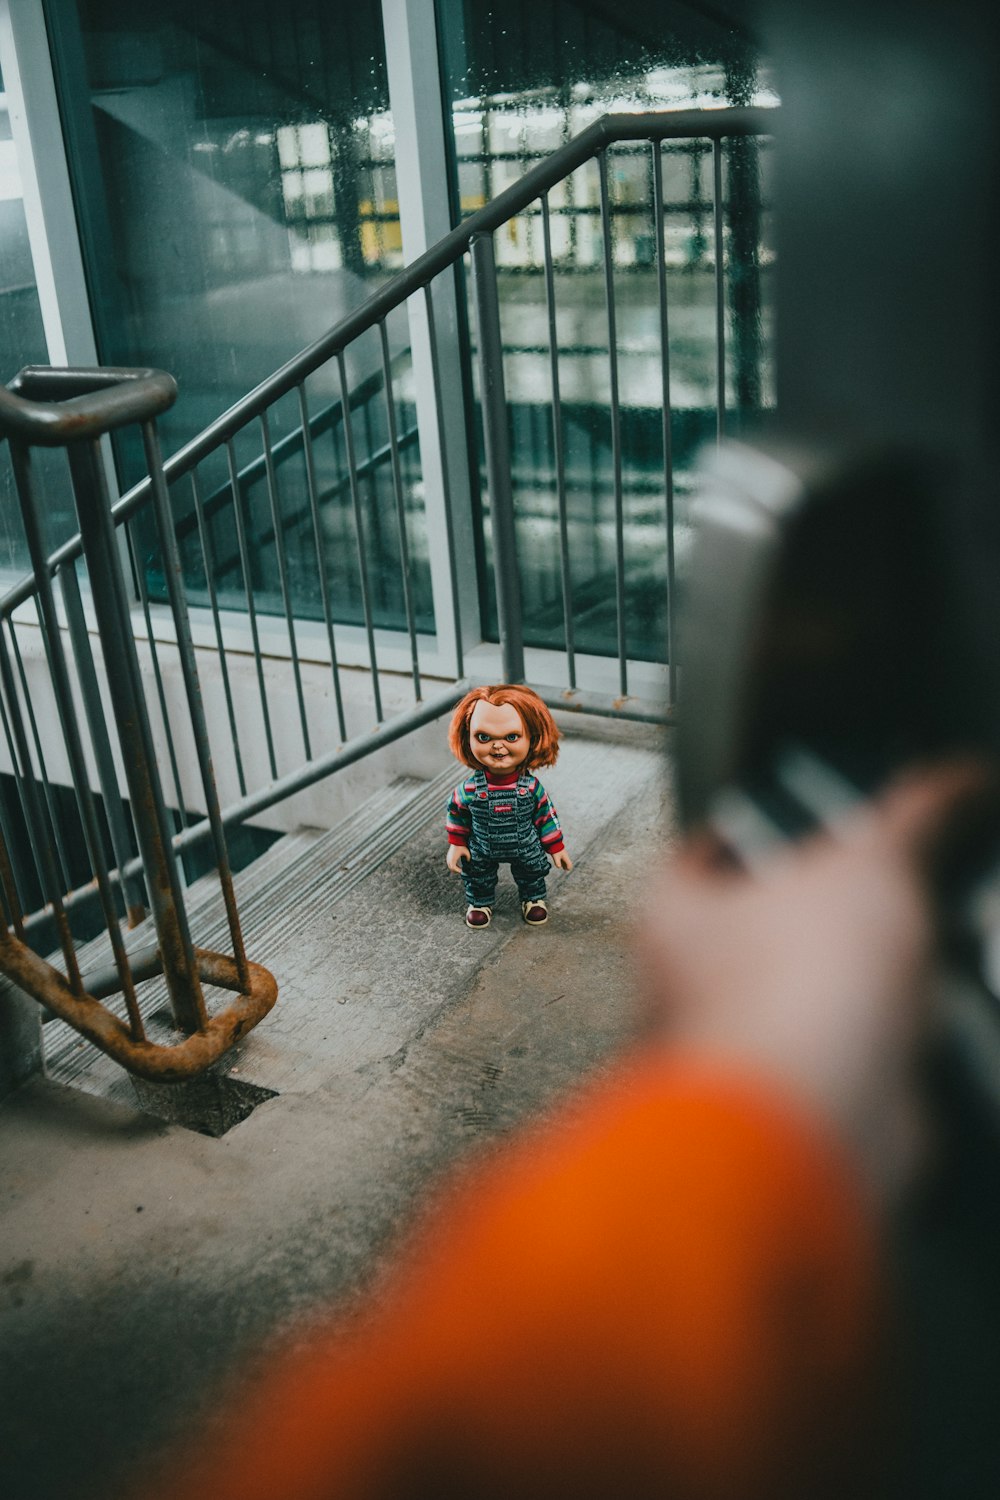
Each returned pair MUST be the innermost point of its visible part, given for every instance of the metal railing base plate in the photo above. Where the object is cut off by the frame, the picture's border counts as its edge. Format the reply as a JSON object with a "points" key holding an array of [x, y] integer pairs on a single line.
{"points": [[162, 1064]]}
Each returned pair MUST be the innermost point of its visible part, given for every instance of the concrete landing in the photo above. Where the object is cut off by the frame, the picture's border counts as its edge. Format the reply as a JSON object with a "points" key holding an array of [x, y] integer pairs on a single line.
{"points": [[139, 1262]]}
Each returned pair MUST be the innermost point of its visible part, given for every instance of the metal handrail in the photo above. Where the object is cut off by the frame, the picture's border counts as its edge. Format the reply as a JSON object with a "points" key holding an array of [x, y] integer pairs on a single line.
{"points": [[96, 401], [474, 234], [322, 421], [610, 130], [287, 786], [83, 405], [367, 466]]}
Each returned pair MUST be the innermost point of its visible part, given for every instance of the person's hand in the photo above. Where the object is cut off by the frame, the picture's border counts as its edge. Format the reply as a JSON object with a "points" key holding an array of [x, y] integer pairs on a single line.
{"points": [[562, 861], [456, 853], [817, 970]]}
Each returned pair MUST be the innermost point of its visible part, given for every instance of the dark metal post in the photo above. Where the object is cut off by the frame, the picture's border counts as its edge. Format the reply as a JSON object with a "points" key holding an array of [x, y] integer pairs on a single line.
{"points": [[558, 446], [41, 847], [277, 521], [449, 519], [213, 599], [55, 822], [359, 533], [59, 673], [135, 901], [397, 489], [616, 421], [668, 450], [494, 403], [245, 564], [135, 735], [139, 574], [324, 587], [192, 687], [10, 886], [719, 242]]}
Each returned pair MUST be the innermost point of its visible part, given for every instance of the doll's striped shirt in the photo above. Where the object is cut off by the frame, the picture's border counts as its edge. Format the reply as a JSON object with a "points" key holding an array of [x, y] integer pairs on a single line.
{"points": [[544, 817]]}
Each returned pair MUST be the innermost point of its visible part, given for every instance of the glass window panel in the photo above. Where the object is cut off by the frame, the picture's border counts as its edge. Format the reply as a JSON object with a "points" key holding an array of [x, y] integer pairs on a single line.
{"points": [[468, 128], [231, 155], [382, 137], [536, 77], [301, 254], [314, 145], [288, 146], [240, 191], [22, 338], [22, 342], [317, 190]]}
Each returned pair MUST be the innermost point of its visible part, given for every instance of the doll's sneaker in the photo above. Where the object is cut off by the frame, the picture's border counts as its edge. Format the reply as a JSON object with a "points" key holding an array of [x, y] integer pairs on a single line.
{"points": [[534, 912], [479, 916]]}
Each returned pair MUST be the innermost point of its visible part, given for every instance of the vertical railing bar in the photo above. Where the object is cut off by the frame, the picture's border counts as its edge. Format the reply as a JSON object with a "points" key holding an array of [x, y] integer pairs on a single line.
{"points": [[14, 860], [493, 396], [161, 694], [359, 532], [189, 671], [213, 599], [449, 521], [113, 612], [397, 484], [41, 850], [99, 740], [59, 674], [93, 707], [595, 500], [668, 456], [317, 524], [279, 547], [241, 538], [10, 901], [53, 813], [616, 434], [369, 471], [720, 295], [558, 445]]}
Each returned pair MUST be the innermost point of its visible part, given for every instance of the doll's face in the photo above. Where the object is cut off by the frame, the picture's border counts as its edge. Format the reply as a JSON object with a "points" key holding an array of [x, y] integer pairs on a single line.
{"points": [[497, 737]]}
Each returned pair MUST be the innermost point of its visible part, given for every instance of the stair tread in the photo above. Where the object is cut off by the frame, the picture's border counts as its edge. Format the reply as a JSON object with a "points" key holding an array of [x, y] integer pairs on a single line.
{"points": [[281, 889]]}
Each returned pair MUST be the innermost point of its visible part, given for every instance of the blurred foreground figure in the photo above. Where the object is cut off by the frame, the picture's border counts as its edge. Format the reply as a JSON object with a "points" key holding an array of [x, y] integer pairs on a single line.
{"points": [[673, 1287]]}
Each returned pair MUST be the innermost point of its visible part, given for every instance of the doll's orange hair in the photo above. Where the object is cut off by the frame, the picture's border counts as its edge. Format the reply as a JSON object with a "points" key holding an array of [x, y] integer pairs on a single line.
{"points": [[540, 727]]}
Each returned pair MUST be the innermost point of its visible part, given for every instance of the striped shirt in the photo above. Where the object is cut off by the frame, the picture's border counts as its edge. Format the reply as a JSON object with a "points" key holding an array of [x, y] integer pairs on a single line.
{"points": [[544, 817]]}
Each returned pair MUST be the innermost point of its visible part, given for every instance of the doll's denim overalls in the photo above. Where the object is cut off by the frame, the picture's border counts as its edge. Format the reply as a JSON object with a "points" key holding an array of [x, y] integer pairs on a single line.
{"points": [[503, 832]]}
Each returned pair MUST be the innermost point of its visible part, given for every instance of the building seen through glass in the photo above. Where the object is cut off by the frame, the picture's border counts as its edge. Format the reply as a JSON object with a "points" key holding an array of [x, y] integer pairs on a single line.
{"points": [[234, 171]]}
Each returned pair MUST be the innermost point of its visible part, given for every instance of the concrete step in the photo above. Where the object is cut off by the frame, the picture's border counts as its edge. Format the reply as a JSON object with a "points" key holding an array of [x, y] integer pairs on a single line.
{"points": [[276, 892], [284, 851]]}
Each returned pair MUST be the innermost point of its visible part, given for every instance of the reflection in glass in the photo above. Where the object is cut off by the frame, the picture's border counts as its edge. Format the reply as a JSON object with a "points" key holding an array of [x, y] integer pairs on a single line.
{"points": [[522, 83], [22, 342], [239, 199]]}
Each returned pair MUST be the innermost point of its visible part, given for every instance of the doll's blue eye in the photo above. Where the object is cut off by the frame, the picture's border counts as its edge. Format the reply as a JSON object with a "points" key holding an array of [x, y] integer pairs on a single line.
{"points": [[513, 737]]}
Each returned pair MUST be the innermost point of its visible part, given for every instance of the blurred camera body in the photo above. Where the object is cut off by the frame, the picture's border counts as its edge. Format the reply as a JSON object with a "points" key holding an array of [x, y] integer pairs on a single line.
{"points": [[830, 609]]}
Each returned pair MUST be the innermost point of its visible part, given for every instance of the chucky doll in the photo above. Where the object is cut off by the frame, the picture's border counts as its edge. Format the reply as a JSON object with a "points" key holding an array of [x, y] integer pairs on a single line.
{"points": [[502, 814]]}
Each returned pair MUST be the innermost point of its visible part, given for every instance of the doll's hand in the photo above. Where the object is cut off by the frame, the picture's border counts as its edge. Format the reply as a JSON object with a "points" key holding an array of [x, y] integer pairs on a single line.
{"points": [[562, 861], [456, 853]]}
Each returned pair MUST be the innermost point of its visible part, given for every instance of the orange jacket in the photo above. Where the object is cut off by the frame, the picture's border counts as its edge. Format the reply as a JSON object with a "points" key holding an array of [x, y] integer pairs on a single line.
{"points": [[669, 1289]]}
